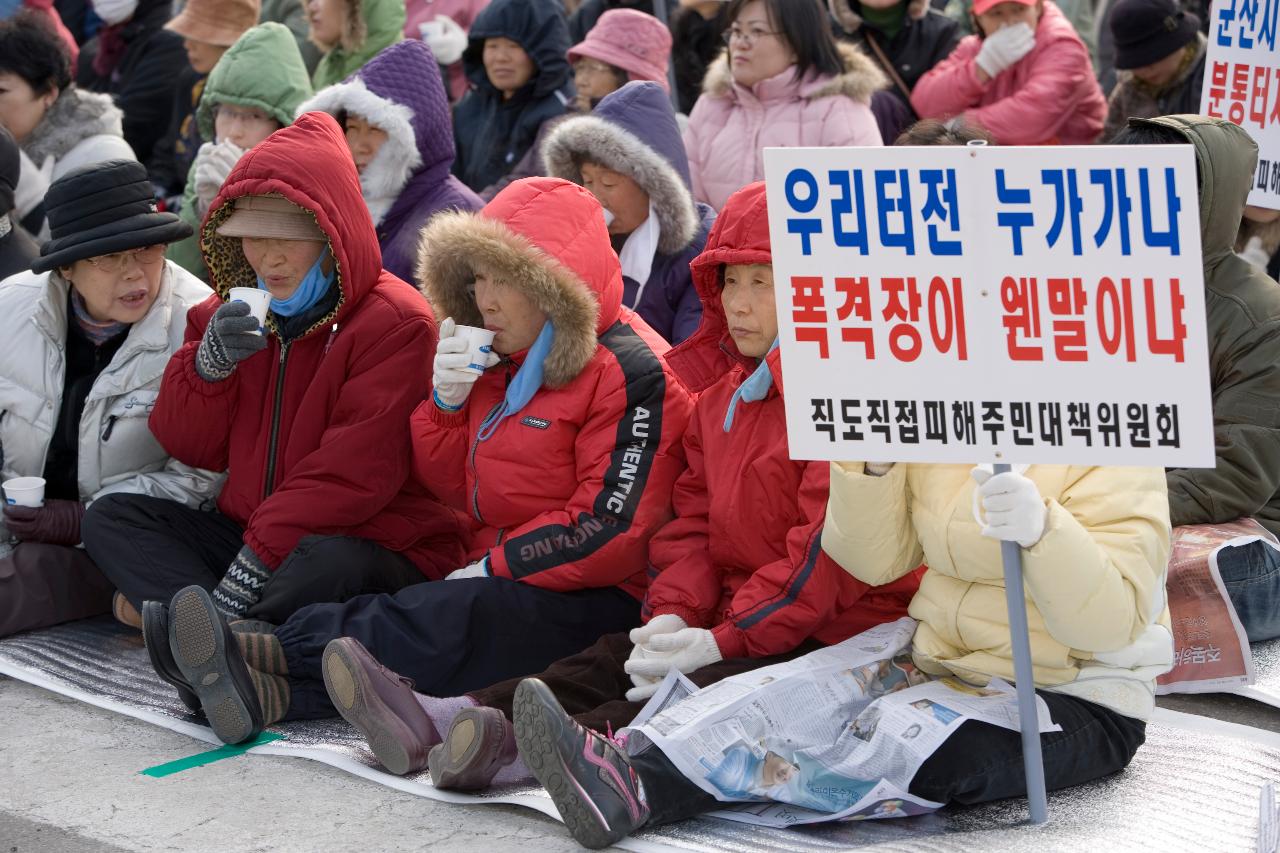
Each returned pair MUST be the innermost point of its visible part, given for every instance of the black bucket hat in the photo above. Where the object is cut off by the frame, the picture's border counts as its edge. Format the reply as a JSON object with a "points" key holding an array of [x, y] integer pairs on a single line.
{"points": [[1147, 31], [103, 208]]}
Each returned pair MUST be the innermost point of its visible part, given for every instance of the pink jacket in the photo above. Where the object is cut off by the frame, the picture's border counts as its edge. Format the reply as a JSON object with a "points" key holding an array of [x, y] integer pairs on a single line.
{"points": [[731, 125], [1049, 96]]}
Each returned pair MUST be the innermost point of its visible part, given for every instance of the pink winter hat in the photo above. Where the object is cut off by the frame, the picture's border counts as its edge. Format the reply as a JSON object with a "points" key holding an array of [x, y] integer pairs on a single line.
{"points": [[634, 41]]}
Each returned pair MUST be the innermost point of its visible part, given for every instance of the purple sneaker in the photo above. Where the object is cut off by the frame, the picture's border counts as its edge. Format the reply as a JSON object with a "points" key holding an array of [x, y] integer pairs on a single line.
{"points": [[479, 744], [590, 780], [380, 703]]}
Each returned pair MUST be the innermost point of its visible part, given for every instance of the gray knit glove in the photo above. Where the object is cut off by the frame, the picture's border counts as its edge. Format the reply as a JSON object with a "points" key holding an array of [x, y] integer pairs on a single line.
{"points": [[241, 587], [231, 337]]}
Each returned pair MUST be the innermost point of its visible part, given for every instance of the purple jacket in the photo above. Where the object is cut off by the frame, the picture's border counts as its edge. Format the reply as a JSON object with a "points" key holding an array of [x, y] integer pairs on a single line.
{"points": [[633, 131], [408, 180]]}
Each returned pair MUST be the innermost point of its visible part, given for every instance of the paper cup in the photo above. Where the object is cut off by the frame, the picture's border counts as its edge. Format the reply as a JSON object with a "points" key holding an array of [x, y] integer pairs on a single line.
{"points": [[258, 300], [24, 491], [479, 344]]}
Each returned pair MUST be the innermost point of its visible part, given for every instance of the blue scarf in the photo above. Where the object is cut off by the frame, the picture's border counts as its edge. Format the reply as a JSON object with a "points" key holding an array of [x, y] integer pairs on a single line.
{"points": [[315, 284], [527, 381], [753, 388]]}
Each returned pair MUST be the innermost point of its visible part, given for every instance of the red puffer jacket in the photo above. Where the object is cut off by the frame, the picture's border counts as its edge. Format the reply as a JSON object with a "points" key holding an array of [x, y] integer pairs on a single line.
{"points": [[744, 556], [567, 489], [314, 432]]}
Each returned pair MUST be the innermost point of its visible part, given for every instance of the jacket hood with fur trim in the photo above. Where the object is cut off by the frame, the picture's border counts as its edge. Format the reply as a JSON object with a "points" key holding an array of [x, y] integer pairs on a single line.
{"points": [[546, 236], [859, 81], [633, 131], [370, 26], [75, 116]]}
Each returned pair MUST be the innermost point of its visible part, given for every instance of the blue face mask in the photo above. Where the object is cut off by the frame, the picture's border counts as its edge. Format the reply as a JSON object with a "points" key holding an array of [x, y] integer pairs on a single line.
{"points": [[315, 284], [9, 8]]}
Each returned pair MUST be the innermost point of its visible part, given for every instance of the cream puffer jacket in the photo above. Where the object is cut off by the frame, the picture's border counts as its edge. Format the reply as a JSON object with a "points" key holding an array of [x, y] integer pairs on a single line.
{"points": [[117, 451], [1095, 581]]}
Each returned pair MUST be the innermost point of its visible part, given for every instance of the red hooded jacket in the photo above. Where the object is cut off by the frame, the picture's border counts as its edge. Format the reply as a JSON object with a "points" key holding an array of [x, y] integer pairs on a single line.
{"points": [[566, 491], [314, 433], [744, 555]]}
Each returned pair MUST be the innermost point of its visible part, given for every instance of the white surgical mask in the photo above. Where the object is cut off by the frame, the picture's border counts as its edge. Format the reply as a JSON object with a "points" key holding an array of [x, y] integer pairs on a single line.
{"points": [[114, 11]]}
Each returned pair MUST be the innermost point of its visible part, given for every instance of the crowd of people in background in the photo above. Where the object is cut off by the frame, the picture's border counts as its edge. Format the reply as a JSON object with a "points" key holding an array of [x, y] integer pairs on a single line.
{"points": [[331, 508]]}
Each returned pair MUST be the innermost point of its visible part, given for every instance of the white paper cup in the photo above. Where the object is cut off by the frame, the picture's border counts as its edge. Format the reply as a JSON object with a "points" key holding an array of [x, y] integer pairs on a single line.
{"points": [[479, 345], [24, 491], [258, 300]]}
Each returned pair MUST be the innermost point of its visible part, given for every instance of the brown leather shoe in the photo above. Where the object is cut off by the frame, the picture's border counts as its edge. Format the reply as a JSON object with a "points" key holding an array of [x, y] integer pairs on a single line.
{"points": [[480, 743], [125, 612], [380, 704]]}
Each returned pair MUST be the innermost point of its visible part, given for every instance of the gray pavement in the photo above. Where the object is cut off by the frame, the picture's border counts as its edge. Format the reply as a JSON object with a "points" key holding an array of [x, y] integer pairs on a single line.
{"points": [[69, 781]]}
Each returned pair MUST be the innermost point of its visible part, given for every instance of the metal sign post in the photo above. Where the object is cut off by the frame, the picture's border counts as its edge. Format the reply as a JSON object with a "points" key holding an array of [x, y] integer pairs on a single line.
{"points": [[1028, 718]]}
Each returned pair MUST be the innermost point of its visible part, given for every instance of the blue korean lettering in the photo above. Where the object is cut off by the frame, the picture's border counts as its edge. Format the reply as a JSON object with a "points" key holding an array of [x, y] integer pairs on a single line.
{"points": [[1015, 221], [1248, 23], [1266, 33], [1168, 238], [887, 206], [941, 201], [1226, 16], [849, 199], [806, 228], [1116, 206], [1066, 203]]}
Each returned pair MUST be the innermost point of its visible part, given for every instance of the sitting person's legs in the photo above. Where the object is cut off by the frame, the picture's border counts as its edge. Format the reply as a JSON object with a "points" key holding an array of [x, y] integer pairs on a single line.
{"points": [[1251, 574], [43, 585]]}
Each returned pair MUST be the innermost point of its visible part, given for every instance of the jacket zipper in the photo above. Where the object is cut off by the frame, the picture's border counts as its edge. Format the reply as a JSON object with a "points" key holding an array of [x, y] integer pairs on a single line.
{"points": [[475, 474], [270, 484], [106, 431]]}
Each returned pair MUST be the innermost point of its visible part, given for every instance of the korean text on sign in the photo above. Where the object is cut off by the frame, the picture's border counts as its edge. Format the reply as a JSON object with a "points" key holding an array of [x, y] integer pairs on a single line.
{"points": [[991, 304], [1242, 83]]}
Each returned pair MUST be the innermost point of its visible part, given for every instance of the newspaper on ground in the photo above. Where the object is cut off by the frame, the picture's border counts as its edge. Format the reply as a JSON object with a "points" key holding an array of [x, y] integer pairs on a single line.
{"points": [[837, 734], [1211, 651]]}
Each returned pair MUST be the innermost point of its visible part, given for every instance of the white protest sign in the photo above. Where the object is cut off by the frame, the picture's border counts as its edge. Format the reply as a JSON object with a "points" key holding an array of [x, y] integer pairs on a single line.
{"points": [[986, 304], [1242, 83]]}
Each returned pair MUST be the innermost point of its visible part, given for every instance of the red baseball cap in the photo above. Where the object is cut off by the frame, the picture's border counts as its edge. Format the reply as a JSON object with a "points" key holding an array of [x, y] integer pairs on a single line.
{"points": [[981, 7]]}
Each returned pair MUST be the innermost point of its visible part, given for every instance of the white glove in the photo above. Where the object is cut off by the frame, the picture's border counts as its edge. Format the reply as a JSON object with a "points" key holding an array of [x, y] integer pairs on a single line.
{"points": [[478, 569], [877, 469], [446, 39], [1253, 253], [685, 650], [667, 623], [449, 377], [1003, 48], [1015, 510], [214, 161], [645, 685]]}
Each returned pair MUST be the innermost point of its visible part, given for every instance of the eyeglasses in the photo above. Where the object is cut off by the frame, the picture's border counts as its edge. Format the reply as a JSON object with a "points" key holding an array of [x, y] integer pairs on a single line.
{"points": [[591, 69], [247, 116], [116, 261], [748, 37]]}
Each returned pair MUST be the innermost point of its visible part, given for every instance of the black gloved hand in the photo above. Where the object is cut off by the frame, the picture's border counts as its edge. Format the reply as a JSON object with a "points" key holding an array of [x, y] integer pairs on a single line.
{"points": [[231, 337], [55, 523]]}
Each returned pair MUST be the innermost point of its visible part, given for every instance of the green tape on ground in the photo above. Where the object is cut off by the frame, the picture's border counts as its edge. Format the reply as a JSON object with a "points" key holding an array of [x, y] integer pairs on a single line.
{"points": [[200, 759]]}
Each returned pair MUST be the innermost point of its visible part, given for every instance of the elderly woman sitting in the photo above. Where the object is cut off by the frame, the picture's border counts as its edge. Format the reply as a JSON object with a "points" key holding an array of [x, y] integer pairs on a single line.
{"points": [[86, 336]]}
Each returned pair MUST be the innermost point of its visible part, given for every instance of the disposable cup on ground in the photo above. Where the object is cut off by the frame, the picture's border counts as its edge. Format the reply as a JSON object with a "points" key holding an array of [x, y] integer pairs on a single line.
{"points": [[259, 301], [479, 345], [24, 491]]}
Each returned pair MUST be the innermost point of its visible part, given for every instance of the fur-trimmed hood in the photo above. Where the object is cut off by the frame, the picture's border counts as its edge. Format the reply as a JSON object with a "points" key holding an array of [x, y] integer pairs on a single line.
{"points": [[74, 117], [399, 91], [851, 21], [546, 236], [859, 81], [633, 131]]}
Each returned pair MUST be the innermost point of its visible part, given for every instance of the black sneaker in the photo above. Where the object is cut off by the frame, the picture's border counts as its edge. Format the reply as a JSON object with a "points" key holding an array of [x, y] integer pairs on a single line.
{"points": [[209, 658], [590, 780], [155, 633]]}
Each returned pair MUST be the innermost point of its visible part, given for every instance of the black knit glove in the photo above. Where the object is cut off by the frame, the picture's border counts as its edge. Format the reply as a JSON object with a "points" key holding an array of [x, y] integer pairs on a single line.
{"points": [[231, 337], [241, 587]]}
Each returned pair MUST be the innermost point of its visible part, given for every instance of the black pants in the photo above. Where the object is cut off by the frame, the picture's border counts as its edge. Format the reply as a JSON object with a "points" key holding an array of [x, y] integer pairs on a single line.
{"points": [[451, 637], [151, 547], [592, 685], [43, 585], [978, 763]]}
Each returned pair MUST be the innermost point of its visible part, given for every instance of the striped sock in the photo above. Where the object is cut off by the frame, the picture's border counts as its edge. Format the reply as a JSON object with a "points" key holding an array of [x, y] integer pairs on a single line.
{"points": [[262, 652], [273, 695]]}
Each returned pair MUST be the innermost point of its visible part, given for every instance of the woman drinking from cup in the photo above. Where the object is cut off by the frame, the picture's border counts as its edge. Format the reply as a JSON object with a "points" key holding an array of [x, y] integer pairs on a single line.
{"points": [[86, 336]]}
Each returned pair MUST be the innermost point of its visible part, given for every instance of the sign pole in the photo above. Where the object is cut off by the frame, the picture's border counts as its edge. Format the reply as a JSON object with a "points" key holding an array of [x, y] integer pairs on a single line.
{"points": [[1028, 718]]}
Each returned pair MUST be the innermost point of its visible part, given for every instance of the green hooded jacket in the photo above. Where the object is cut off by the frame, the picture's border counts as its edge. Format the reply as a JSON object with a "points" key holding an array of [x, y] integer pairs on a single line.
{"points": [[263, 69], [1243, 307], [371, 26]]}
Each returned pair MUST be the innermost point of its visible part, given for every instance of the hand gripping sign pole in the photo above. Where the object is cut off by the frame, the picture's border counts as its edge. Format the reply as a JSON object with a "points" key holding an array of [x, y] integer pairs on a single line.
{"points": [[1028, 717]]}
